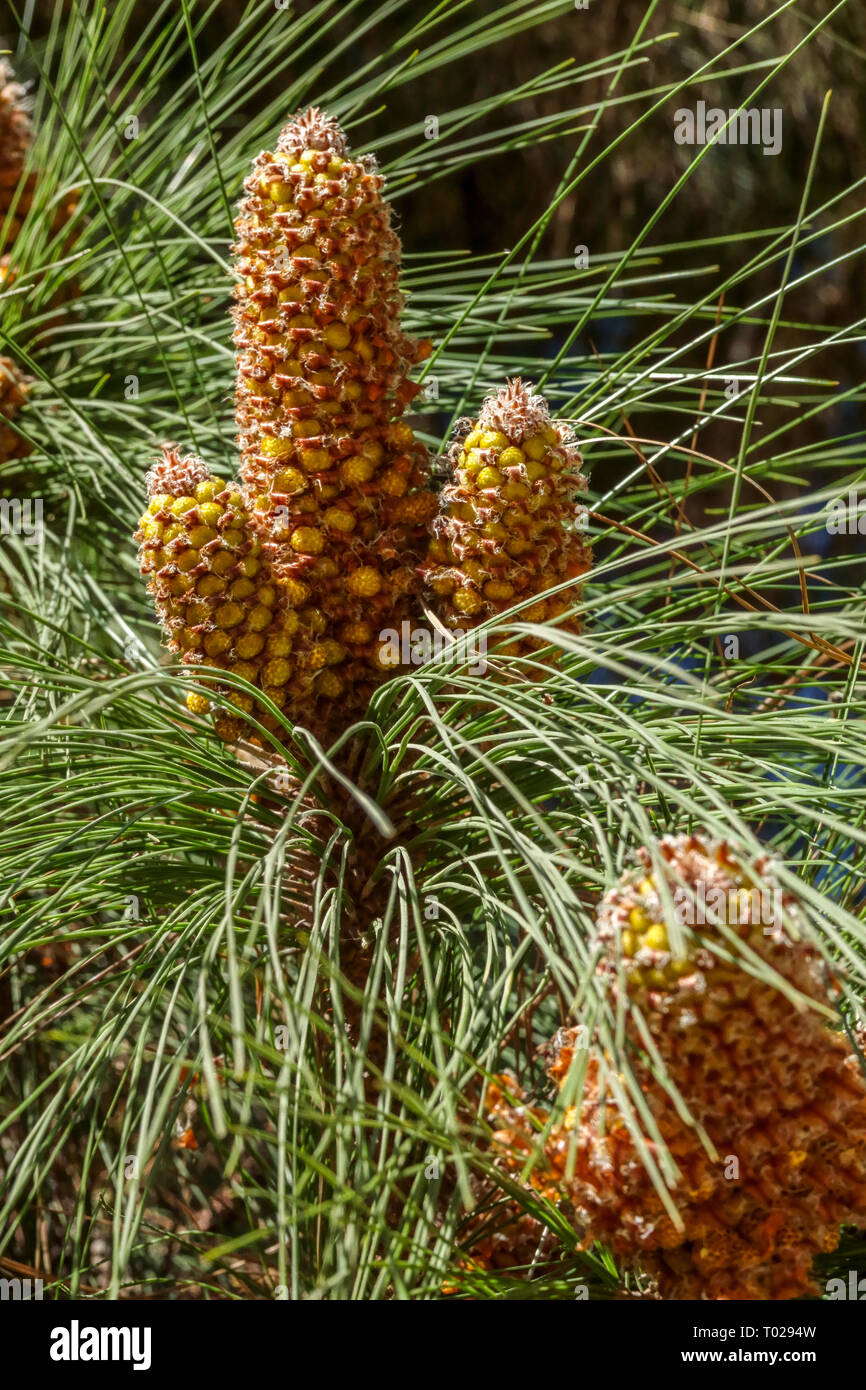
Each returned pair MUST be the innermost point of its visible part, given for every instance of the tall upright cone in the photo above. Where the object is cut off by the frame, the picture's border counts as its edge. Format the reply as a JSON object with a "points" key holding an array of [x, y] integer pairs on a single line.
{"points": [[334, 477], [778, 1092], [333, 491], [509, 524]]}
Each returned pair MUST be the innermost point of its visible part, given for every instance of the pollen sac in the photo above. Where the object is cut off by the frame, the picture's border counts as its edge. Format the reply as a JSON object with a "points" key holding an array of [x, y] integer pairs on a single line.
{"points": [[335, 480], [509, 525], [703, 952], [212, 584]]}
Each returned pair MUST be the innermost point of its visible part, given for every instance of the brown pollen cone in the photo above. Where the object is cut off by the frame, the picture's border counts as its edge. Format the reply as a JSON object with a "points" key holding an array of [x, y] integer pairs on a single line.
{"points": [[779, 1093], [331, 473]]}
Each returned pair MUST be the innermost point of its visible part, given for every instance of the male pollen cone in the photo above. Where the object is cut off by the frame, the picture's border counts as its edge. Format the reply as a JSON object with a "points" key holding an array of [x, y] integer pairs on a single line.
{"points": [[778, 1091], [16, 199], [14, 390], [509, 524], [331, 473]]}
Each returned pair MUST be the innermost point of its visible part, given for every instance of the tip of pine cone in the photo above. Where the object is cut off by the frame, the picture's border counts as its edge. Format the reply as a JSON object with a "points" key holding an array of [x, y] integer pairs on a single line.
{"points": [[175, 476], [312, 129], [515, 409]]}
